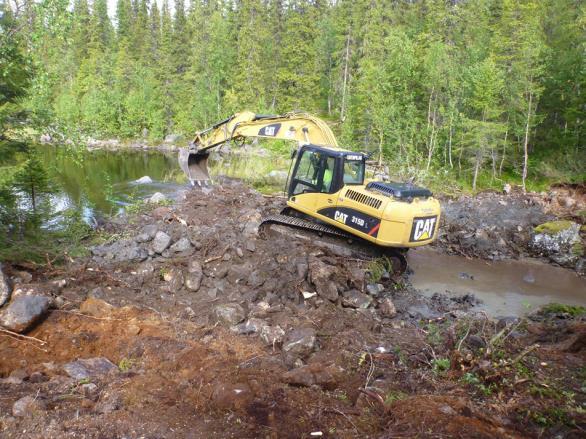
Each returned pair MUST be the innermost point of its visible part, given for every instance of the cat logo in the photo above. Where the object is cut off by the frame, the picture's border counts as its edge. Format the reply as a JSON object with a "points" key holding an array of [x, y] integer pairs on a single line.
{"points": [[270, 130], [423, 228]]}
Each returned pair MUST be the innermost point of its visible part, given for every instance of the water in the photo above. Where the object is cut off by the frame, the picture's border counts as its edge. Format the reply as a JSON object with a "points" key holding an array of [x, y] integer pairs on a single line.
{"points": [[101, 183], [506, 287]]}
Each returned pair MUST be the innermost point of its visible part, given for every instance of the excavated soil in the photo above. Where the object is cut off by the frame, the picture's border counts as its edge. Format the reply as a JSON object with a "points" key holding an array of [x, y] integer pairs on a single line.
{"points": [[228, 334]]}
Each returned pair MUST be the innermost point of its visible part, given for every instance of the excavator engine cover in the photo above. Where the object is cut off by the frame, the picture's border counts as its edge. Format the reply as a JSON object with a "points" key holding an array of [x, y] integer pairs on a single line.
{"points": [[400, 191], [195, 165]]}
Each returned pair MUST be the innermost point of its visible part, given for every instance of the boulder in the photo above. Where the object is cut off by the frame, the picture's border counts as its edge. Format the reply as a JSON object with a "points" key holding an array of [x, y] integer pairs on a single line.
{"points": [[320, 275], [121, 251], [272, 335], [23, 312], [387, 308], [144, 180], [5, 289], [174, 278], [232, 396], [559, 241], [181, 246], [95, 307], [231, 313], [193, 281], [300, 342], [172, 138], [356, 299], [157, 198], [374, 289], [161, 242], [89, 368], [325, 376], [251, 326], [27, 406]]}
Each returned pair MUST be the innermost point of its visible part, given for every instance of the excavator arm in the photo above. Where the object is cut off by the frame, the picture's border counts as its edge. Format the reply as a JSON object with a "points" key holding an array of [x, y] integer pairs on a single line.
{"points": [[299, 127]]}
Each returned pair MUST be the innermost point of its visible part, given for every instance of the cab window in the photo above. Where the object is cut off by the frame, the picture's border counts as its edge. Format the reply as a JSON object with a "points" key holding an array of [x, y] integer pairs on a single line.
{"points": [[315, 173], [328, 175], [353, 171]]}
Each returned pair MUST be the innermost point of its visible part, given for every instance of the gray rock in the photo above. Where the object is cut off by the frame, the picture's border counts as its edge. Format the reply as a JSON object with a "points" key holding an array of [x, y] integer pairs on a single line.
{"points": [[505, 322], [150, 230], [5, 289], [180, 246], [121, 251], [324, 376], [193, 281], [89, 390], [109, 403], [172, 138], [16, 377], [475, 342], [21, 276], [387, 308], [300, 342], [422, 311], [45, 138], [320, 275], [251, 326], [272, 335], [302, 270], [89, 368], [239, 252], [27, 406], [144, 180], [374, 289], [157, 198], [23, 312], [560, 241], [161, 242], [277, 176], [174, 278], [231, 313], [250, 245], [355, 299]]}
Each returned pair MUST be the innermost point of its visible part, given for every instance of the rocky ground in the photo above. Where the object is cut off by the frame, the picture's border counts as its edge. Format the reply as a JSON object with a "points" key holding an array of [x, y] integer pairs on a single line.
{"points": [[184, 322]]}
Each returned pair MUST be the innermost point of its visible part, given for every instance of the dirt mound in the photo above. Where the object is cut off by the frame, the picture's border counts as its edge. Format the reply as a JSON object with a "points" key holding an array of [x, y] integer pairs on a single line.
{"points": [[438, 416], [204, 329]]}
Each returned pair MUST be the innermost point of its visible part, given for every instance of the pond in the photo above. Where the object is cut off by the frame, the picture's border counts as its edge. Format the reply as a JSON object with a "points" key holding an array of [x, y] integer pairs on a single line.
{"points": [[102, 183]]}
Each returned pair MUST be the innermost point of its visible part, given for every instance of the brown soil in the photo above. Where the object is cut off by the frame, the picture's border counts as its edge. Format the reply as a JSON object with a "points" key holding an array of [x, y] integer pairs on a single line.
{"points": [[184, 374]]}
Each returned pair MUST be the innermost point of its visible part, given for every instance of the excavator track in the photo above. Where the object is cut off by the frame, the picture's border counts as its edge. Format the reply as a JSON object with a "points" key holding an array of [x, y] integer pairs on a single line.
{"points": [[396, 256]]}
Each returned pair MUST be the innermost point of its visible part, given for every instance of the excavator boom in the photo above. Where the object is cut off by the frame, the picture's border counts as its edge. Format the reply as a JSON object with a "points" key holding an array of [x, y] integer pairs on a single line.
{"points": [[300, 127]]}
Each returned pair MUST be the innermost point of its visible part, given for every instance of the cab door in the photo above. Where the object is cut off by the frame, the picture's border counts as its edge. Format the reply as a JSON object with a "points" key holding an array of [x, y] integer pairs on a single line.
{"points": [[313, 181]]}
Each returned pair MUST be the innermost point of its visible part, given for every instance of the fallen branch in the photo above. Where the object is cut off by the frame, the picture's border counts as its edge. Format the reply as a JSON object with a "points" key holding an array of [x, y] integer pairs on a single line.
{"points": [[215, 258], [23, 337], [524, 353]]}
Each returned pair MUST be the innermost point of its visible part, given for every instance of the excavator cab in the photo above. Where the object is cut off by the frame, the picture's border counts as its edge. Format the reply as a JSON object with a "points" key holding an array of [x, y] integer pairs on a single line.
{"points": [[325, 170]]}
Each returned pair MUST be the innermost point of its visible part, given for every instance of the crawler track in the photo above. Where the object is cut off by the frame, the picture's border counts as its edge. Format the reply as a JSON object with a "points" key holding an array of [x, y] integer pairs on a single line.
{"points": [[364, 248]]}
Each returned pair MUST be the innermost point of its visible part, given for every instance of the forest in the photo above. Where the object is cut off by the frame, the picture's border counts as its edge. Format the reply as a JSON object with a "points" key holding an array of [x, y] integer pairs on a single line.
{"points": [[484, 91]]}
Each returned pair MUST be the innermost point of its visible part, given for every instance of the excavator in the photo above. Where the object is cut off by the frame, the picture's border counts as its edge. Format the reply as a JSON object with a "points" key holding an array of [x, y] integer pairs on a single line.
{"points": [[327, 190]]}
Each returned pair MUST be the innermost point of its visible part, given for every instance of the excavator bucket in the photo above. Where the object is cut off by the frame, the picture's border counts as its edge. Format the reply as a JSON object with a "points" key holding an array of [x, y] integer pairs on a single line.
{"points": [[195, 166]]}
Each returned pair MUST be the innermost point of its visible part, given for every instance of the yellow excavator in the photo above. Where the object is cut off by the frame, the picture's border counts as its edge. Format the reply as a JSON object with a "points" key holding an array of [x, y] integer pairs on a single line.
{"points": [[327, 191]]}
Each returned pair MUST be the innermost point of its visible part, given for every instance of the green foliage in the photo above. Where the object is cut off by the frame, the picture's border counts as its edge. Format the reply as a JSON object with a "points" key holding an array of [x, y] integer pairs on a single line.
{"points": [[440, 365], [559, 308], [477, 94], [378, 267]]}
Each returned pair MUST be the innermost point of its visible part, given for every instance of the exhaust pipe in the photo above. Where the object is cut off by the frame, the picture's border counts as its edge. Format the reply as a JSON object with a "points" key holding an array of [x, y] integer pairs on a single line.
{"points": [[195, 165]]}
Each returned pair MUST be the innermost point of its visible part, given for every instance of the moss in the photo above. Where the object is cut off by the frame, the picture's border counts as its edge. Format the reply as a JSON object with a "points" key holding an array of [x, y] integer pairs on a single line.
{"points": [[577, 249], [553, 227], [559, 308]]}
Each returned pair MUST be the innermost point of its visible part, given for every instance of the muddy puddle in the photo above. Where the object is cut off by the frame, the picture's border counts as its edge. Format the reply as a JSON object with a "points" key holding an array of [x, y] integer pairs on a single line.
{"points": [[506, 288]]}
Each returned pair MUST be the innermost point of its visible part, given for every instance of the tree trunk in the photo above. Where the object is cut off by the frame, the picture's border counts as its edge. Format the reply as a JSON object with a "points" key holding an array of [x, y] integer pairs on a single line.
{"points": [[526, 142], [504, 150], [432, 140], [450, 145], [346, 63], [380, 149], [476, 169]]}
